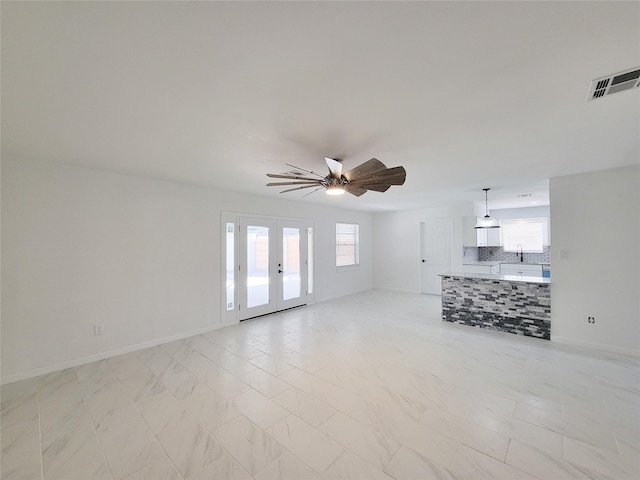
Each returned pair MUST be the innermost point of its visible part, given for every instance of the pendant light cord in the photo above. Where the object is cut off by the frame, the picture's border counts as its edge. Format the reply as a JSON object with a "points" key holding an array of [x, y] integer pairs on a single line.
{"points": [[486, 201]]}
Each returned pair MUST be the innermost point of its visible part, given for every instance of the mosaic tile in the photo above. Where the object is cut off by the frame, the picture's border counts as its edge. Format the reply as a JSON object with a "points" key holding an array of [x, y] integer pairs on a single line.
{"points": [[515, 307]]}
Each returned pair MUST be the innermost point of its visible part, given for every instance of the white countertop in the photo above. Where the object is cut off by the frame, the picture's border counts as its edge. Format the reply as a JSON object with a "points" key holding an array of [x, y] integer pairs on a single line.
{"points": [[491, 263], [505, 278]]}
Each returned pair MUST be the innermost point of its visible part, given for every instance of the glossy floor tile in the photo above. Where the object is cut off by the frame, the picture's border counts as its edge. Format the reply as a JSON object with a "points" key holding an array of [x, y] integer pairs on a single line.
{"points": [[369, 386]]}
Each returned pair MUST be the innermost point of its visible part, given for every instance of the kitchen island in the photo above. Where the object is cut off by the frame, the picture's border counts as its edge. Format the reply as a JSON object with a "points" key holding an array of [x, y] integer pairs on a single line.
{"points": [[509, 303]]}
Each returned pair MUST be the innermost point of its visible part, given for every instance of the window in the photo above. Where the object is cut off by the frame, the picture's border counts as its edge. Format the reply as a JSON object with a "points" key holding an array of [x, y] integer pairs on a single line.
{"points": [[230, 256], [347, 244], [532, 234]]}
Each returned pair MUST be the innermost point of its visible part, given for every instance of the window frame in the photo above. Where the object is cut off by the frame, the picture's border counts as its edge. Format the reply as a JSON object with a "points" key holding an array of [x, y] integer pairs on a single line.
{"points": [[355, 245], [509, 246]]}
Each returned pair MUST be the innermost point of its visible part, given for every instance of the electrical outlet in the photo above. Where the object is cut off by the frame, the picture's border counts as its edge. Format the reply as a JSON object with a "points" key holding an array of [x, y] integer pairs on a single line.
{"points": [[98, 329], [591, 319]]}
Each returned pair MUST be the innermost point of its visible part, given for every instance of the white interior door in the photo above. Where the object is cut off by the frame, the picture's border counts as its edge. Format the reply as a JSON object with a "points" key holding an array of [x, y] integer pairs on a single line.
{"points": [[436, 239], [273, 266]]}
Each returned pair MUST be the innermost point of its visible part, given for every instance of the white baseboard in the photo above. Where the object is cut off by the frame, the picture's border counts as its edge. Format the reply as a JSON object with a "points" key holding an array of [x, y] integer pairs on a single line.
{"points": [[595, 346], [15, 377]]}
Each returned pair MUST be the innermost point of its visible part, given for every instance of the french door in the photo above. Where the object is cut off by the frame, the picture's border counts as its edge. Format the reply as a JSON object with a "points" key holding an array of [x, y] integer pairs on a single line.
{"points": [[272, 272]]}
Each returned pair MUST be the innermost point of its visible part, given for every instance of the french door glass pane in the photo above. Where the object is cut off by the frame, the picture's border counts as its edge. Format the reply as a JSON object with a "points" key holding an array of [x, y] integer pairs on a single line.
{"points": [[257, 266], [290, 263]]}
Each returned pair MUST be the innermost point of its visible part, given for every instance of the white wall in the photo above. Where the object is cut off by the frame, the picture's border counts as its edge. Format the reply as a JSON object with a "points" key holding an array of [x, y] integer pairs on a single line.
{"points": [[595, 221], [397, 245], [525, 212], [140, 256]]}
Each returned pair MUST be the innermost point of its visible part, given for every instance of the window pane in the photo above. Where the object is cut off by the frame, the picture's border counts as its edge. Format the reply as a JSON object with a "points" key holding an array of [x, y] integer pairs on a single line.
{"points": [[230, 280], [347, 244], [527, 234]]}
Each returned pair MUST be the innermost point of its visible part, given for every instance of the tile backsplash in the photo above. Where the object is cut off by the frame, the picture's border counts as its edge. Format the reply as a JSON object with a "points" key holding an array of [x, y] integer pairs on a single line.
{"points": [[499, 255]]}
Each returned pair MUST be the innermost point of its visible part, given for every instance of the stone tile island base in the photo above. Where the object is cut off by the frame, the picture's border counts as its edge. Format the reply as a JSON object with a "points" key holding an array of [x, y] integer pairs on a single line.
{"points": [[520, 305]]}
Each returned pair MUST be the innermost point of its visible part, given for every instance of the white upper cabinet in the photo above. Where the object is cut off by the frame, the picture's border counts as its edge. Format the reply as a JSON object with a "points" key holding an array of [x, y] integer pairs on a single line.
{"points": [[479, 237]]}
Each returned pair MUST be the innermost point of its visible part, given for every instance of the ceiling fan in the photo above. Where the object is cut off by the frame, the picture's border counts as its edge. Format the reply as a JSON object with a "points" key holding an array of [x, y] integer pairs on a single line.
{"points": [[371, 175]]}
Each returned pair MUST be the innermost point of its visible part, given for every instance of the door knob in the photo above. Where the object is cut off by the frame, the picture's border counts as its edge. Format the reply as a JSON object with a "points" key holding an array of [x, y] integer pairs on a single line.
{"points": [[423, 261]]}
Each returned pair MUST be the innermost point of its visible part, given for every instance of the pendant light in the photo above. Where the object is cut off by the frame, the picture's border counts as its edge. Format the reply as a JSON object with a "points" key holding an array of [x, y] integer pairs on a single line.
{"points": [[487, 221]]}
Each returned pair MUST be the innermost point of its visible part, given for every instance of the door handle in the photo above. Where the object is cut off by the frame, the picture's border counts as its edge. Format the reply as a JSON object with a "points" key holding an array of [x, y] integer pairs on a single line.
{"points": [[279, 271]]}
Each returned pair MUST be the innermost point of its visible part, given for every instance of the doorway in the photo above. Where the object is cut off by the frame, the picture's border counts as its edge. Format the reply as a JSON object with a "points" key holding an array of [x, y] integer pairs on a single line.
{"points": [[273, 265], [436, 239]]}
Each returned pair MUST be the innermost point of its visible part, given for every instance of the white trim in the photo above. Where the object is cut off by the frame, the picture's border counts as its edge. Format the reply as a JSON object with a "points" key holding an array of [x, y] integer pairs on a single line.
{"points": [[594, 346], [260, 215], [348, 268], [14, 377]]}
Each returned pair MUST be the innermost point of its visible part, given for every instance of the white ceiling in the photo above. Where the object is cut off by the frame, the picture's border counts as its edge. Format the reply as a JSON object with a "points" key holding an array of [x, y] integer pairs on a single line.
{"points": [[464, 95]]}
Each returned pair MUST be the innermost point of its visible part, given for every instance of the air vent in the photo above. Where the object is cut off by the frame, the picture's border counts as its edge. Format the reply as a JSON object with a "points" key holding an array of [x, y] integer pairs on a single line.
{"points": [[615, 83]]}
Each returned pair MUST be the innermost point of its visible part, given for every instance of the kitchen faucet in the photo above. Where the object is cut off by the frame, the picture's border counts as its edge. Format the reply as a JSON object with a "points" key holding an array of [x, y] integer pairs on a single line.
{"points": [[521, 252]]}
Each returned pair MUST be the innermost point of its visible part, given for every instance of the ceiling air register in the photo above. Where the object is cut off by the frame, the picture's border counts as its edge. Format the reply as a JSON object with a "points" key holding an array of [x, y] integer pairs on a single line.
{"points": [[618, 82]]}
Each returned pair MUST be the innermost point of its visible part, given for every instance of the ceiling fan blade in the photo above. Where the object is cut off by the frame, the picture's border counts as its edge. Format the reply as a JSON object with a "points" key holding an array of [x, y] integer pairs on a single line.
{"points": [[335, 167], [278, 184], [366, 168], [357, 191], [377, 188], [291, 177], [389, 176], [299, 188], [306, 171], [314, 191]]}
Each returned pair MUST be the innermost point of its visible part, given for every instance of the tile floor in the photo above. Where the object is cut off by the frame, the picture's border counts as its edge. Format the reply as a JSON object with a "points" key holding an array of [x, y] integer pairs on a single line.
{"points": [[370, 386]]}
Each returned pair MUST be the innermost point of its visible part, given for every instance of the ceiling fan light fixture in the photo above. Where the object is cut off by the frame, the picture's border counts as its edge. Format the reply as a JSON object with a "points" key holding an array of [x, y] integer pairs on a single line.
{"points": [[487, 221], [370, 175], [335, 190]]}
